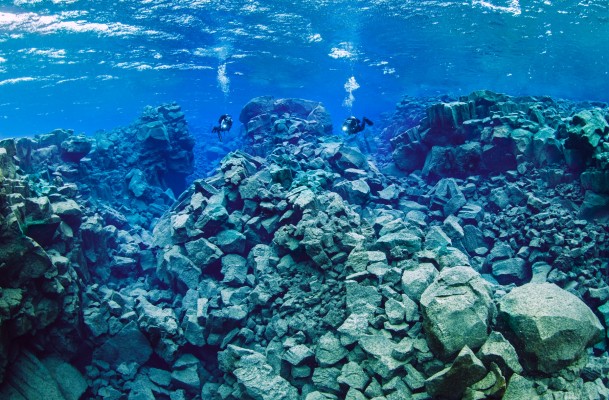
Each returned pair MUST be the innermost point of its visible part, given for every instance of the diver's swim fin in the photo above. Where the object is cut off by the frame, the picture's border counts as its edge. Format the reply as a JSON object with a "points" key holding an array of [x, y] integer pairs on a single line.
{"points": [[367, 121]]}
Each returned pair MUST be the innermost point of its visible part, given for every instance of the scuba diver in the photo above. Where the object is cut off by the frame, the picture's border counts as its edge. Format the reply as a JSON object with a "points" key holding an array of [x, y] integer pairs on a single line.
{"points": [[353, 125], [225, 123]]}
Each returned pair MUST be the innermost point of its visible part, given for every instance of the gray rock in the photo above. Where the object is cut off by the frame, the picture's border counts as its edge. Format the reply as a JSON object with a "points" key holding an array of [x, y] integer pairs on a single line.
{"points": [[512, 270], [298, 354], [154, 130], [447, 196], [180, 268], [451, 382], [549, 326], [352, 328], [156, 320], [75, 148], [355, 192], [399, 244], [436, 238], [187, 379], [202, 252], [137, 182], [128, 345], [415, 281], [231, 241], [329, 350], [71, 382], [457, 310], [234, 269], [326, 379], [353, 375], [473, 240], [160, 377], [28, 378], [362, 299], [520, 388], [498, 350], [395, 311], [253, 372], [193, 331]]}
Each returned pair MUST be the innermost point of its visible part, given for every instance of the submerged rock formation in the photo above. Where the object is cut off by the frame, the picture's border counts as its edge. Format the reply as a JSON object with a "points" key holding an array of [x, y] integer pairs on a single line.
{"points": [[299, 270]]}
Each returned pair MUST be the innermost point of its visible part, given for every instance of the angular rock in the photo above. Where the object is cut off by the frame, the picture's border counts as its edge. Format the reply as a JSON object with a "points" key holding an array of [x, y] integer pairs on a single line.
{"points": [[451, 382], [512, 270], [128, 345], [329, 350], [457, 310], [549, 327], [497, 349], [28, 378], [415, 281]]}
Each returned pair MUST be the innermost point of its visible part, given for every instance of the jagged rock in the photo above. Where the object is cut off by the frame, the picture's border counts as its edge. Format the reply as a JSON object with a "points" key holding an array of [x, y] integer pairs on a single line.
{"points": [[362, 299], [234, 269], [447, 196], [156, 320], [457, 309], [180, 268], [298, 354], [512, 270], [75, 148], [451, 382], [329, 350], [549, 326], [28, 378], [256, 375], [594, 206], [202, 252], [399, 244], [185, 374], [154, 130], [128, 345], [354, 376], [415, 281], [69, 211], [231, 241], [520, 388], [70, 381], [497, 349], [586, 131], [193, 331], [355, 192], [446, 121], [137, 182]]}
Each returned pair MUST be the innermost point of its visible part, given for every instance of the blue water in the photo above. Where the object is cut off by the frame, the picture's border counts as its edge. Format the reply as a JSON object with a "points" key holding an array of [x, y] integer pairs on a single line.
{"points": [[94, 64]]}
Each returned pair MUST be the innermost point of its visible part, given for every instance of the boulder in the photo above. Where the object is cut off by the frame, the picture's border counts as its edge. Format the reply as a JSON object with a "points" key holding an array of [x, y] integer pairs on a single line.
{"points": [[457, 310], [549, 327], [75, 148], [128, 345], [252, 371], [28, 378], [446, 123], [451, 382], [71, 382]]}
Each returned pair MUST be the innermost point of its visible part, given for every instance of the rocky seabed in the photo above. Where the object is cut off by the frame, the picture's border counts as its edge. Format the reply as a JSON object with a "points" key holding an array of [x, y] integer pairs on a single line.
{"points": [[461, 252]]}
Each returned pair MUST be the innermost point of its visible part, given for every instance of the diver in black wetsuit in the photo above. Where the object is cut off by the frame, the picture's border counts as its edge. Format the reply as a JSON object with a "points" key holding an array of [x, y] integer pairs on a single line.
{"points": [[225, 123], [353, 125]]}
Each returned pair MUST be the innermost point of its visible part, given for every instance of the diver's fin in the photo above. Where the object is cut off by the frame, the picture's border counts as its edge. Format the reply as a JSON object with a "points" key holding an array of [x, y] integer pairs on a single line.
{"points": [[367, 121]]}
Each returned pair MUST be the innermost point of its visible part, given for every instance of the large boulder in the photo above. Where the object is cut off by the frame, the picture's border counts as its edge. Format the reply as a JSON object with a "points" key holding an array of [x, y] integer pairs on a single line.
{"points": [[75, 148], [253, 372], [457, 310], [549, 326]]}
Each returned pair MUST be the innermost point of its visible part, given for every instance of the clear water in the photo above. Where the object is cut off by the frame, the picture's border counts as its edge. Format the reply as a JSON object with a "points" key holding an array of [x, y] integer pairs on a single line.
{"points": [[94, 64]]}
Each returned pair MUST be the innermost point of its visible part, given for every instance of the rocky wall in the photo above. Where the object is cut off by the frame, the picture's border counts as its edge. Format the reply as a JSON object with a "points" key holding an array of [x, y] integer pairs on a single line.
{"points": [[300, 271]]}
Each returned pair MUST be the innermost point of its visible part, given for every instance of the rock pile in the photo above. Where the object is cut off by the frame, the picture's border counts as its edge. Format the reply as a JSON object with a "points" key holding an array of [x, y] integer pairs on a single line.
{"points": [[300, 271]]}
